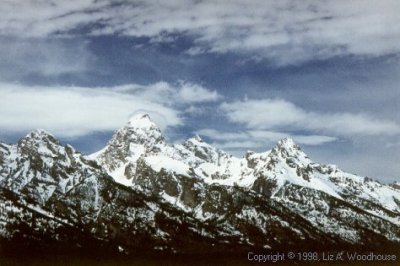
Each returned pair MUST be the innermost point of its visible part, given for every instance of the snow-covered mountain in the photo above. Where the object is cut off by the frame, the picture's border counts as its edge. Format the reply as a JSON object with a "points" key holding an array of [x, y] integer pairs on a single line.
{"points": [[141, 193]]}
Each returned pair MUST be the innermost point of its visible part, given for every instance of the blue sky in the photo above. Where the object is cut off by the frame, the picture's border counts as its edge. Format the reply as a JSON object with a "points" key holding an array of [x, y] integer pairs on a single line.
{"points": [[242, 74]]}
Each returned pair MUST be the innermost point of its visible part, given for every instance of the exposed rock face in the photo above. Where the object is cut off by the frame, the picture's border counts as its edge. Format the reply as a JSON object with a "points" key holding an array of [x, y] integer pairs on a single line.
{"points": [[139, 194]]}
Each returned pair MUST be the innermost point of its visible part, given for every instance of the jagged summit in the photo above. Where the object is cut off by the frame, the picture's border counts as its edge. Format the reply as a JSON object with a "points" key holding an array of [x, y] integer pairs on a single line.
{"points": [[139, 135], [197, 138], [287, 143], [141, 116], [288, 148], [37, 138], [140, 129], [39, 134], [141, 121]]}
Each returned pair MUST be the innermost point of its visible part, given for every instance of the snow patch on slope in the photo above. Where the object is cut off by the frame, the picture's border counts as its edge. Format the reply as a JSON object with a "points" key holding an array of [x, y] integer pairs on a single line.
{"points": [[157, 162]]}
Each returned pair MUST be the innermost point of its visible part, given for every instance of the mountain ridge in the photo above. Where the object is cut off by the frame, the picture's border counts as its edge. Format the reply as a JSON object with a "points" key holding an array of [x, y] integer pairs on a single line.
{"points": [[141, 187]]}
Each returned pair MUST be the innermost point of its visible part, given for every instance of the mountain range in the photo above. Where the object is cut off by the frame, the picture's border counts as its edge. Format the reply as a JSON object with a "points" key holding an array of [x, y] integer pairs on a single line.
{"points": [[142, 195]]}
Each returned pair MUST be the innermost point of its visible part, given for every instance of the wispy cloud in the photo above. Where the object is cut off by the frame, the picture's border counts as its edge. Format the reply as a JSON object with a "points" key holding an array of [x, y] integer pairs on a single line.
{"points": [[41, 18], [181, 93], [284, 31], [258, 139], [284, 115], [193, 93], [76, 111], [46, 57]]}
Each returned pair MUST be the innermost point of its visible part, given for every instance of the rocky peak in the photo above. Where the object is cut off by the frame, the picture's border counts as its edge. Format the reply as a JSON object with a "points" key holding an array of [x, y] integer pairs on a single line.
{"points": [[141, 121], [202, 149], [288, 144], [39, 135], [287, 150], [197, 138], [38, 141], [140, 135], [141, 130]]}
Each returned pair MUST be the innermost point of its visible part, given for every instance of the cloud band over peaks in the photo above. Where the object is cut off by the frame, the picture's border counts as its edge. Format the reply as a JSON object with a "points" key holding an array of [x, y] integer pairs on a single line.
{"points": [[283, 115], [76, 111]]}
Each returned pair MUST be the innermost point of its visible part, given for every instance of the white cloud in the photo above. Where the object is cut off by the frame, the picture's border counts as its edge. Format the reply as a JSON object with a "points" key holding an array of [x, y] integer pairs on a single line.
{"points": [[193, 93], [283, 115], [282, 30], [258, 139], [40, 18], [24, 57], [160, 92], [182, 93], [75, 111], [196, 110], [222, 136], [266, 113], [237, 147], [312, 140]]}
